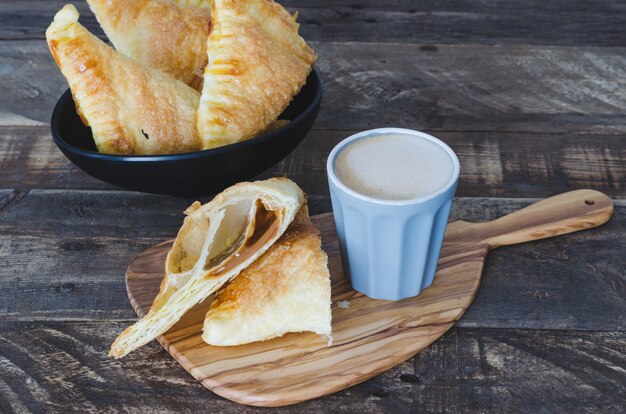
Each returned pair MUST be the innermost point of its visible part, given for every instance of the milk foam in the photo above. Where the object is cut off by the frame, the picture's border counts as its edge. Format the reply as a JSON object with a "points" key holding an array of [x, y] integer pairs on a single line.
{"points": [[394, 166]]}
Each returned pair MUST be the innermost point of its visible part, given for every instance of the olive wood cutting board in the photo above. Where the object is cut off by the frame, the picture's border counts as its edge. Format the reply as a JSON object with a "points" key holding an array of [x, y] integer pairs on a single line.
{"points": [[369, 336]]}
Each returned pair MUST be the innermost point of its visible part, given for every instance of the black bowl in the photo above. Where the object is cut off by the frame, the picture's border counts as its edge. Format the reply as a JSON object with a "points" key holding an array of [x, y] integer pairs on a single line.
{"points": [[193, 173]]}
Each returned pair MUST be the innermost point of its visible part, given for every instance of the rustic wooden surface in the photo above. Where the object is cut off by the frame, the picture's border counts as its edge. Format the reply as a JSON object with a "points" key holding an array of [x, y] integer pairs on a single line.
{"points": [[369, 337], [532, 97]]}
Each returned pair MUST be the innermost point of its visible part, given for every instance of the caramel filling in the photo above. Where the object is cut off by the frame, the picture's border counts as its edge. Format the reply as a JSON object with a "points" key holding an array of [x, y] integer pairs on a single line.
{"points": [[254, 234]]}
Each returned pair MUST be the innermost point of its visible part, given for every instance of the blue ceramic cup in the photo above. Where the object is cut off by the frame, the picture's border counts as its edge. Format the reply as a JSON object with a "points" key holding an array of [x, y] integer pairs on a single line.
{"points": [[390, 248]]}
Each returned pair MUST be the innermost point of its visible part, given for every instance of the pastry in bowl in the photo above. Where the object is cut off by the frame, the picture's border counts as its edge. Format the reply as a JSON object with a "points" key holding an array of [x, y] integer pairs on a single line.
{"points": [[131, 108], [257, 63], [216, 242], [142, 101], [168, 35]]}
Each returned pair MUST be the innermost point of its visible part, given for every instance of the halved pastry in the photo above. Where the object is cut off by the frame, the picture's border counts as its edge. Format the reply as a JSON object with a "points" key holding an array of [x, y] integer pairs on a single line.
{"points": [[131, 109], [285, 290], [257, 63], [168, 35], [217, 240]]}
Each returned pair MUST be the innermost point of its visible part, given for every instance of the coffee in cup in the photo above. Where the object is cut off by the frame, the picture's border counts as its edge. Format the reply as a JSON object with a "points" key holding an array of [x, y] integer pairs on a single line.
{"points": [[394, 166], [391, 191]]}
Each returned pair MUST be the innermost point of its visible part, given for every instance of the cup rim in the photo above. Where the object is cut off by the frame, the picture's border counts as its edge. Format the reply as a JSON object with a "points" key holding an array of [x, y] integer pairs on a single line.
{"points": [[330, 170]]}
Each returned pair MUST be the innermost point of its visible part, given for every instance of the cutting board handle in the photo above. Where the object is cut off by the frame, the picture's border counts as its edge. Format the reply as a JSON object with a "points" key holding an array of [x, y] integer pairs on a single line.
{"points": [[561, 214]]}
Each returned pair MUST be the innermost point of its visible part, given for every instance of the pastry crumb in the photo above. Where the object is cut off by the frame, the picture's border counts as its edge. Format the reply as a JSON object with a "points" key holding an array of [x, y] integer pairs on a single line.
{"points": [[343, 304]]}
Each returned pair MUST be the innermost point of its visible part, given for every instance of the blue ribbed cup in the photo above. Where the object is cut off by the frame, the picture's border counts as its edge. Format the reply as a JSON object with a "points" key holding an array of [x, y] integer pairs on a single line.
{"points": [[390, 249]]}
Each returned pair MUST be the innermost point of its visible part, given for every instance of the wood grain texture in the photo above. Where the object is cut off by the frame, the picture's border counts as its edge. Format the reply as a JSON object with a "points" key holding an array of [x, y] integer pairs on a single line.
{"points": [[556, 22], [497, 164], [63, 254], [561, 214], [529, 95], [455, 88], [369, 336], [62, 367]]}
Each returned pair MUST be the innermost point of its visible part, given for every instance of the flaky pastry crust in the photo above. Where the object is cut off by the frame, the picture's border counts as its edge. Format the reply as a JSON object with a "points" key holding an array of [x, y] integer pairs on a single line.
{"points": [[257, 64], [287, 289], [216, 242], [164, 34], [131, 109]]}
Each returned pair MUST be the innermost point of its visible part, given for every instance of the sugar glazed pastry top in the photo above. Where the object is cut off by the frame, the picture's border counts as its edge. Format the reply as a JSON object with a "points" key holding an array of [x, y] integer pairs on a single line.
{"points": [[287, 289], [131, 108], [257, 64], [167, 35]]}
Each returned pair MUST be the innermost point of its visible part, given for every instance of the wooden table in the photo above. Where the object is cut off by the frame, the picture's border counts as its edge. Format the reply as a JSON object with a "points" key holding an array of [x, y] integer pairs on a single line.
{"points": [[532, 97]]}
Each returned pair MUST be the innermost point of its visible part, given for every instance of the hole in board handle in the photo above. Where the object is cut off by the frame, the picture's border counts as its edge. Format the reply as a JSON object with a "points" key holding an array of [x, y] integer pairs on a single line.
{"points": [[590, 202]]}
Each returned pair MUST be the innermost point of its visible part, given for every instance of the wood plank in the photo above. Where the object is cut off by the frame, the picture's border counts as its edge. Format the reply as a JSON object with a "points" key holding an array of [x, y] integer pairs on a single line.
{"points": [[6, 196], [456, 88], [59, 366], [63, 255], [492, 163], [29, 19], [29, 158], [554, 372], [472, 88], [453, 21]]}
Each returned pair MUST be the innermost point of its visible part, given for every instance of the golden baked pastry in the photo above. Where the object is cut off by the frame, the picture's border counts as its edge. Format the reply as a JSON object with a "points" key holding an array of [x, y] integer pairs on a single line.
{"points": [[164, 34], [285, 290], [131, 109], [217, 241], [257, 63]]}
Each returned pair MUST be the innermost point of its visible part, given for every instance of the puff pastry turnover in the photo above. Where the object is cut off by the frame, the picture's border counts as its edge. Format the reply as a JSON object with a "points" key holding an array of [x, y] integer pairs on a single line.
{"points": [[132, 109], [257, 63], [167, 35], [217, 240], [285, 290]]}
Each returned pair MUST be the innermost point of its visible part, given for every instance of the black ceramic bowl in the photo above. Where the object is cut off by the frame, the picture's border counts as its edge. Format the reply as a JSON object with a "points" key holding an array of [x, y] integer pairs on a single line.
{"points": [[192, 173]]}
